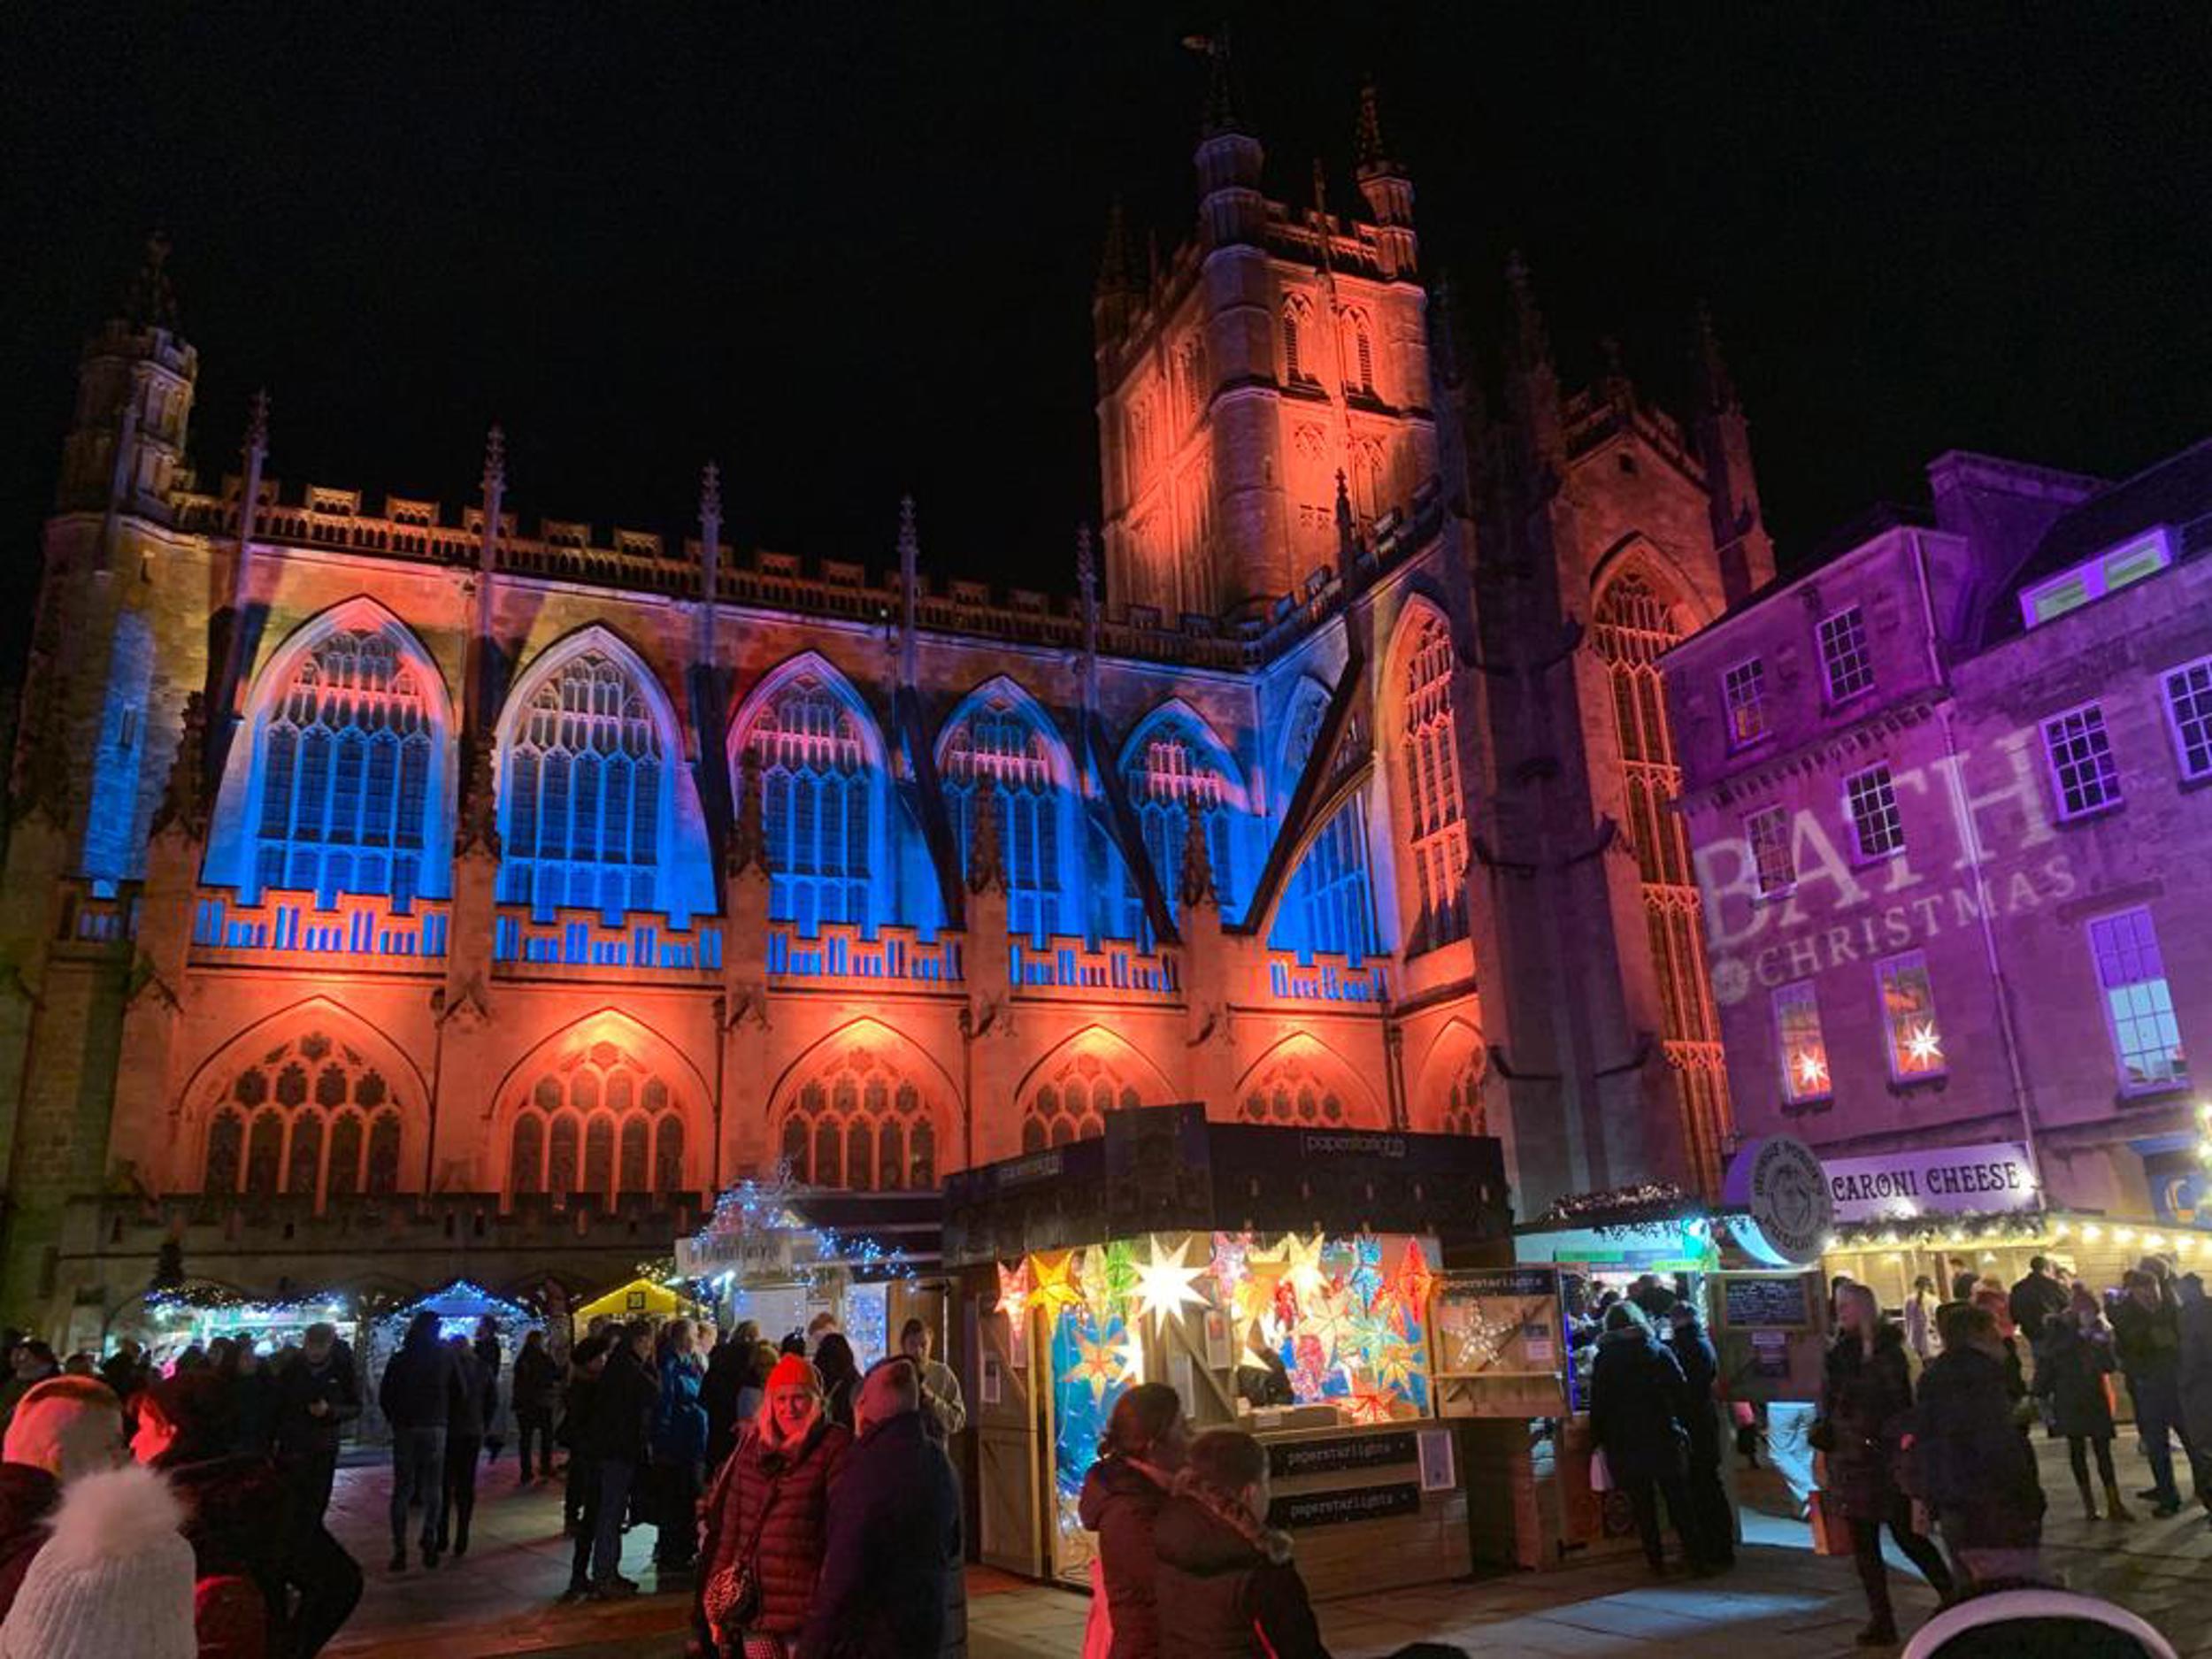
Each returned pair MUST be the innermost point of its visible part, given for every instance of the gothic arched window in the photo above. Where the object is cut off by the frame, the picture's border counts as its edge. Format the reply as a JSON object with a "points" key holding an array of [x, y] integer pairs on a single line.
{"points": [[1367, 483], [860, 1122], [818, 796], [344, 762], [1330, 904], [1358, 351], [297, 1121], [1463, 1113], [1294, 1090], [1633, 625], [999, 744], [583, 799], [1429, 770], [1171, 768], [1072, 1102], [1297, 327], [601, 1122]]}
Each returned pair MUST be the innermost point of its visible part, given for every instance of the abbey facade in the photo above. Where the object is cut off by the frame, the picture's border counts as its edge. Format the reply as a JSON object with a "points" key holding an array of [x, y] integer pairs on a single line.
{"points": [[396, 890]]}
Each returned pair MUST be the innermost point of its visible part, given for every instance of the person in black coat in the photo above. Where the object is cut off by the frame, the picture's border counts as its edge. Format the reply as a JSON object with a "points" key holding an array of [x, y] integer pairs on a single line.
{"points": [[894, 1541], [1638, 1401], [1974, 1468], [1866, 1406], [1692, 1350], [468, 1414], [2073, 1359], [616, 1435], [536, 1392], [415, 1395], [586, 1363], [318, 1394], [2146, 1336], [732, 1367]]}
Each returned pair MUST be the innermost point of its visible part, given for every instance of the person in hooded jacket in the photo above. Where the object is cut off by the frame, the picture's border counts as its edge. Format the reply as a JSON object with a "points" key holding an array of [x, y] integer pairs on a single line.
{"points": [[767, 1513], [1692, 1350], [1975, 1469], [893, 1548], [1865, 1407], [1225, 1585], [616, 1436], [1139, 1458], [1638, 1402], [2073, 1359]]}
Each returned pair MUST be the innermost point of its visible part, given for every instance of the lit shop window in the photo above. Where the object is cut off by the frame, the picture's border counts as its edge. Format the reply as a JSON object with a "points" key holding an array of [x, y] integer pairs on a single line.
{"points": [[1909, 1016], [1769, 834], [1744, 689], [2189, 707], [1843, 653], [2139, 1007], [1804, 1051], [2084, 775], [1869, 798]]}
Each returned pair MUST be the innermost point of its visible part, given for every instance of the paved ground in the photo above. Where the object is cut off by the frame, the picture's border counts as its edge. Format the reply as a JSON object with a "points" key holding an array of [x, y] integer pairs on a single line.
{"points": [[1781, 1597]]}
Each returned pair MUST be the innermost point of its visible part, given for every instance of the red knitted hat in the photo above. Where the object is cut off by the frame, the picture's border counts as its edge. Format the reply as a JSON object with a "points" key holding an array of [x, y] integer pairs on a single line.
{"points": [[795, 1371]]}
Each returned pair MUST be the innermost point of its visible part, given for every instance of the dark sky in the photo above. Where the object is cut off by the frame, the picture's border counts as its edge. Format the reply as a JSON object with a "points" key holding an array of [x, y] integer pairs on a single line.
{"points": [[847, 250]]}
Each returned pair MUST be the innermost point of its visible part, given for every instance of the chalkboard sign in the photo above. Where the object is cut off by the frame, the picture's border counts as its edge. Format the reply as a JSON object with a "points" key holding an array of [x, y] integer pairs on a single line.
{"points": [[1762, 1301], [1303, 1509], [1288, 1458]]}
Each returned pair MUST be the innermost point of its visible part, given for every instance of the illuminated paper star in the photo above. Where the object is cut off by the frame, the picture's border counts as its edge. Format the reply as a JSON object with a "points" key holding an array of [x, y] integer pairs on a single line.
{"points": [[1054, 1285], [1393, 1363], [1812, 1071], [1101, 1362], [1228, 1265], [1254, 1293], [1366, 1266], [1334, 1318], [1131, 1354], [1370, 1405], [1013, 1290], [1164, 1285], [1411, 1283], [1925, 1046], [1301, 1265]]}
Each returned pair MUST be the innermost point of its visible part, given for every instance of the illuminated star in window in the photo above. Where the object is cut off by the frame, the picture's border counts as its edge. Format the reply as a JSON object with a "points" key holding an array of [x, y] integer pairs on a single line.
{"points": [[1101, 1362], [1302, 1265], [1925, 1046], [1812, 1071], [1164, 1285]]}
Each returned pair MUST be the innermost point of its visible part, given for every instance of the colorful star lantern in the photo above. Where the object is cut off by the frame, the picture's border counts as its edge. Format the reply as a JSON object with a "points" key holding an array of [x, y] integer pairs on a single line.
{"points": [[1411, 1284], [1333, 1317], [1370, 1405], [1925, 1048], [1165, 1287], [1013, 1290], [1812, 1071], [1366, 1277], [1099, 1361], [1254, 1293], [1055, 1285], [1302, 1266], [1228, 1265], [1393, 1363]]}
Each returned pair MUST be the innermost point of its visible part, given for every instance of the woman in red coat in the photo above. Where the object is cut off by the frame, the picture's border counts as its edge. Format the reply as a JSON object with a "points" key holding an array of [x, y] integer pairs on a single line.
{"points": [[767, 1513]]}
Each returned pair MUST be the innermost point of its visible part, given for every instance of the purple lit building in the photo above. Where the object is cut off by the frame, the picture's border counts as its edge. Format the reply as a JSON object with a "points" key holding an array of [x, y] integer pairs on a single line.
{"points": [[1947, 795]]}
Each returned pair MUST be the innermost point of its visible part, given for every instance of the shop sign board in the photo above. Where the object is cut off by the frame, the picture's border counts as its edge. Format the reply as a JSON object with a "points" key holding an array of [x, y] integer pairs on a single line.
{"points": [[1298, 1511], [1781, 1192], [1994, 1177], [1288, 1459], [1766, 1302]]}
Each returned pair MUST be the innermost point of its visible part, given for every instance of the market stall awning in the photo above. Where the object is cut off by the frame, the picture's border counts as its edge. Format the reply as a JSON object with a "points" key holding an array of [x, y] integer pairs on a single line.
{"points": [[641, 1298]]}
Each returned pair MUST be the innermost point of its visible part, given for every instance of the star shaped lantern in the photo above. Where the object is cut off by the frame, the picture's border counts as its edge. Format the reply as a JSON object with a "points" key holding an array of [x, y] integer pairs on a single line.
{"points": [[1812, 1071], [1925, 1048], [1054, 1285], [1164, 1286], [1101, 1361], [1301, 1265], [1013, 1290]]}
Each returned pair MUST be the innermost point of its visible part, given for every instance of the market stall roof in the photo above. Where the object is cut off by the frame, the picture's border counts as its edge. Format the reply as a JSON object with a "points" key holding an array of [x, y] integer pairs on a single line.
{"points": [[459, 1299], [768, 1230], [656, 1301], [1163, 1169]]}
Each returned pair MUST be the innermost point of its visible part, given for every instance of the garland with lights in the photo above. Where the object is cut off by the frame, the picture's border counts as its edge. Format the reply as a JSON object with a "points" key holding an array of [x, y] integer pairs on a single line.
{"points": [[771, 1206], [1620, 1206]]}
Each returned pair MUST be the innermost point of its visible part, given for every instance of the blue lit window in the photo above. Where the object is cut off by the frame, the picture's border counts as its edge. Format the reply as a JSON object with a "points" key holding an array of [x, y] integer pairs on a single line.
{"points": [[343, 765], [1329, 906], [1000, 744], [583, 799], [819, 784], [1172, 766]]}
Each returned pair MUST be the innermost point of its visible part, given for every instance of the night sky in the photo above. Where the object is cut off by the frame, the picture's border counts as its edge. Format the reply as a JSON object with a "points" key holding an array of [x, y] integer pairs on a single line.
{"points": [[848, 250]]}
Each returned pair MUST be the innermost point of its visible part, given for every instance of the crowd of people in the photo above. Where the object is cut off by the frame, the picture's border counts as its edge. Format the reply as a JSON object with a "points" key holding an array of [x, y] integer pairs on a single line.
{"points": [[1925, 1424]]}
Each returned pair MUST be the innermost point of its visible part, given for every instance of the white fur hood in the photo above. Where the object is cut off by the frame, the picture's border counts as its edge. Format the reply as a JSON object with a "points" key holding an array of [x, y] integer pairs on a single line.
{"points": [[118, 1512]]}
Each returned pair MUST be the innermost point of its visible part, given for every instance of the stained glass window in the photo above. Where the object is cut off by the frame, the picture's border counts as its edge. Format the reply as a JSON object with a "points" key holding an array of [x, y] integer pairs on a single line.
{"points": [[999, 746], [342, 769], [600, 1122], [860, 1122], [1171, 773], [294, 1123], [1429, 759], [1329, 906], [817, 796], [583, 798]]}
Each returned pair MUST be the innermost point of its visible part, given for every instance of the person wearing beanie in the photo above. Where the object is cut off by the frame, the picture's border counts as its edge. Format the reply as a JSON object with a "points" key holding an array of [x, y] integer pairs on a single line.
{"points": [[116, 1576], [790, 1453], [66, 1427]]}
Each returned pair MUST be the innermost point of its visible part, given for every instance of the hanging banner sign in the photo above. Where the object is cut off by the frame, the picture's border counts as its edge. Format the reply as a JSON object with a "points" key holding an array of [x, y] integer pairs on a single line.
{"points": [[1993, 1178], [1781, 1194]]}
